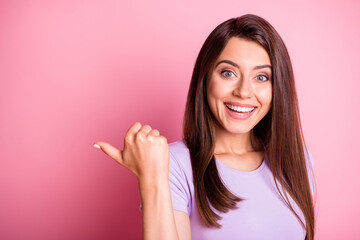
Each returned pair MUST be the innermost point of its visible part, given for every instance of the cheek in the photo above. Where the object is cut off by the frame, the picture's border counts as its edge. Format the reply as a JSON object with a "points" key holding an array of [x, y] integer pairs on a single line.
{"points": [[218, 90], [211, 96], [212, 93], [215, 95], [265, 96]]}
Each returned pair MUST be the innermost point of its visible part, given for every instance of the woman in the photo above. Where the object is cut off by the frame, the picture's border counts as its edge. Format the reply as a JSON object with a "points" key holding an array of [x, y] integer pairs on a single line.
{"points": [[242, 170]]}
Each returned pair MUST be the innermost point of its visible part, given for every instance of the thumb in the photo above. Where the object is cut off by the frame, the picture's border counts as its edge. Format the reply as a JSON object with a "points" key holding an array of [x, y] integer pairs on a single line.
{"points": [[111, 151]]}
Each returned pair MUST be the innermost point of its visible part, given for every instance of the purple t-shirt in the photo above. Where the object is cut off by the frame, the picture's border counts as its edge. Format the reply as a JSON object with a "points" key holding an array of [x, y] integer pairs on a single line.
{"points": [[262, 215]]}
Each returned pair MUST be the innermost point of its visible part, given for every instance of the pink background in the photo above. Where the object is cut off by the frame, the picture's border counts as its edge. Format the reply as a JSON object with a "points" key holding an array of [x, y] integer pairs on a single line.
{"points": [[75, 72]]}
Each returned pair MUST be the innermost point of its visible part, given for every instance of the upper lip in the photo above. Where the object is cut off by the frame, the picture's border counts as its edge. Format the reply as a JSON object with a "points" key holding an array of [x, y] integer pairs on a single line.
{"points": [[240, 104]]}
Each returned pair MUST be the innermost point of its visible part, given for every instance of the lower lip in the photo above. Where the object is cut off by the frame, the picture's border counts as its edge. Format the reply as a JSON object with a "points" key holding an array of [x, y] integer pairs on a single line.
{"points": [[239, 116]]}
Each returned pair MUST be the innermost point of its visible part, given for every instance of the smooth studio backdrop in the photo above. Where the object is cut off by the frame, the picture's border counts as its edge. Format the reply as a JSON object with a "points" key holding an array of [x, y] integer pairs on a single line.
{"points": [[75, 72]]}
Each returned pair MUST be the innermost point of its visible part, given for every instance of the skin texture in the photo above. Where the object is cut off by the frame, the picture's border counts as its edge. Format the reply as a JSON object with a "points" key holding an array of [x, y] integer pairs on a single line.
{"points": [[146, 152], [248, 83]]}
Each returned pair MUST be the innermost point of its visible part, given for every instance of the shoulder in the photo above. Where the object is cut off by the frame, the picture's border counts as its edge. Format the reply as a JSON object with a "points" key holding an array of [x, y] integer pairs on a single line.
{"points": [[180, 156], [178, 147], [179, 151], [310, 169], [308, 158]]}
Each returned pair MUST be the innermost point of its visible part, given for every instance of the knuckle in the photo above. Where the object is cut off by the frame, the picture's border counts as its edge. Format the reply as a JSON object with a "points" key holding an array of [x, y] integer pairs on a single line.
{"points": [[147, 126], [135, 127], [150, 138], [162, 139], [154, 132], [128, 138], [140, 136]]}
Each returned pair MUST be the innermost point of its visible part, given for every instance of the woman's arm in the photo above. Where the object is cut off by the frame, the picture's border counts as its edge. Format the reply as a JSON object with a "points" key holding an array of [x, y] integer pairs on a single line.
{"points": [[146, 154], [182, 221], [157, 214]]}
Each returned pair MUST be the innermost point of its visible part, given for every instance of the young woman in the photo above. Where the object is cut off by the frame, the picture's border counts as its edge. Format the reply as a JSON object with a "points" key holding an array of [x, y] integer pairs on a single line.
{"points": [[242, 170]]}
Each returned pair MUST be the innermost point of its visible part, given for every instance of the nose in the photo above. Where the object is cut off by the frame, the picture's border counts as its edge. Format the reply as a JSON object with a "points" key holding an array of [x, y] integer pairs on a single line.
{"points": [[244, 88]]}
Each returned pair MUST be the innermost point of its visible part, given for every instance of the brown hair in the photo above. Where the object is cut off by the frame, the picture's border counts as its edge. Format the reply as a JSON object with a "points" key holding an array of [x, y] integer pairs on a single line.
{"points": [[280, 130]]}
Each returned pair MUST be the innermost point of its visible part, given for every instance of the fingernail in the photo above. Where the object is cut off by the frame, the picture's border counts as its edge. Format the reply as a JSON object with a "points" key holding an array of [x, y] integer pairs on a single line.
{"points": [[96, 146]]}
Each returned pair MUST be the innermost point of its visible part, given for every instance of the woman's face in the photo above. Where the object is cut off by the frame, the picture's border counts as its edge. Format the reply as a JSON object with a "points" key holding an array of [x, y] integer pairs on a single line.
{"points": [[239, 88]]}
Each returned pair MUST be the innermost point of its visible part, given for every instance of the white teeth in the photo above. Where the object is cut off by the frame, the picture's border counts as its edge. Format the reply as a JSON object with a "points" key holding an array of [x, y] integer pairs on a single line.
{"points": [[240, 109]]}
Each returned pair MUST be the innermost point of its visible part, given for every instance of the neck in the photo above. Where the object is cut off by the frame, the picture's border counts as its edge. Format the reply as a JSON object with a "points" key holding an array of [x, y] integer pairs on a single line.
{"points": [[240, 143]]}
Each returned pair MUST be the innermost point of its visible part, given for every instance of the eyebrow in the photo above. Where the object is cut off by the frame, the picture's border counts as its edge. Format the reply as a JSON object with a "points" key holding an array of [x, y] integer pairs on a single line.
{"points": [[235, 65]]}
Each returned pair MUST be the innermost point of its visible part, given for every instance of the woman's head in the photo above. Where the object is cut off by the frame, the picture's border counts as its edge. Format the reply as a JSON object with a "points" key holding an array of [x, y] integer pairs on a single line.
{"points": [[252, 29], [279, 130], [239, 88]]}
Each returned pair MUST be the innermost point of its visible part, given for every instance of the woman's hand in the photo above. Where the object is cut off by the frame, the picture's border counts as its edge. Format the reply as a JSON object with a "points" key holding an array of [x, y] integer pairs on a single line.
{"points": [[145, 153]]}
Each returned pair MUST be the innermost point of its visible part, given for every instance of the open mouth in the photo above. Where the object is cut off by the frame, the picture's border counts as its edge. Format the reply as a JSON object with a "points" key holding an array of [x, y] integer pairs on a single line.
{"points": [[240, 110]]}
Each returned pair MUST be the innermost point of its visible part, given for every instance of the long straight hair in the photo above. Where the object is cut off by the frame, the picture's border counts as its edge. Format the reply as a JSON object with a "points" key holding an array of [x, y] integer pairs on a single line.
{"points": [[280, 129]]}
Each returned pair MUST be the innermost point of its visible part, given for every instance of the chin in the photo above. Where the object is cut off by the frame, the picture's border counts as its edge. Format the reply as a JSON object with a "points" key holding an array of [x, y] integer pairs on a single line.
{"points": [[237, 130]]}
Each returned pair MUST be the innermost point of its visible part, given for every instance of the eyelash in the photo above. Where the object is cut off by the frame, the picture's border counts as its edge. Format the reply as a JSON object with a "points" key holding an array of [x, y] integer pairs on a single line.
{"points": [[228, 71], [266, 78]]}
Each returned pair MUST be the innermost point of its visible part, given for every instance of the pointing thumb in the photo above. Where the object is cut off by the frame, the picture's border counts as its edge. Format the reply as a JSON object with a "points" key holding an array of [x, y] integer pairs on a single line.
{"points": [[111, 151]]}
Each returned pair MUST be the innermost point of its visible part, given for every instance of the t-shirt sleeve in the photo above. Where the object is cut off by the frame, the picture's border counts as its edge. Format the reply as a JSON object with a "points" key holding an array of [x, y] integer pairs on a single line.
{"points": [[179, 187], [310, 169]]}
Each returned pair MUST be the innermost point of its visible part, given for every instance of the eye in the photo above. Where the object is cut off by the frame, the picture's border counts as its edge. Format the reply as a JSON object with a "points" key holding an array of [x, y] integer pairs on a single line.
{"points": [[262, 78], [227, 74]]}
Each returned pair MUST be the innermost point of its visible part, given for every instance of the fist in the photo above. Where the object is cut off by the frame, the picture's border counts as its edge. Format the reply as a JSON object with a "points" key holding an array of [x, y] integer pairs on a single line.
{"points": [[145, 153]]}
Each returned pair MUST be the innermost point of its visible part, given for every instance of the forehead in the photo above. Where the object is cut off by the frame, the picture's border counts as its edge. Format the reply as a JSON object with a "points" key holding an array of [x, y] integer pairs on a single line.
{"points": [[244, 52]]}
